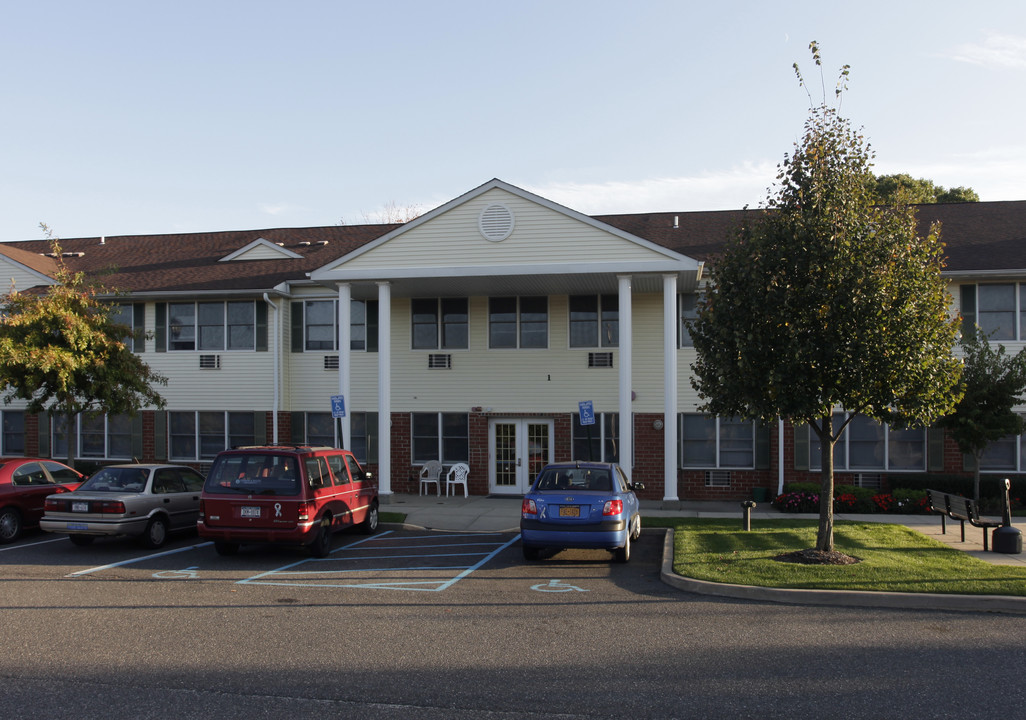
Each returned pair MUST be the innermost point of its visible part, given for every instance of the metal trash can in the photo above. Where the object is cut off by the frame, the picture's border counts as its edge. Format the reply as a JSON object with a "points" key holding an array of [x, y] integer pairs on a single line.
{"points": [[760, 494]]}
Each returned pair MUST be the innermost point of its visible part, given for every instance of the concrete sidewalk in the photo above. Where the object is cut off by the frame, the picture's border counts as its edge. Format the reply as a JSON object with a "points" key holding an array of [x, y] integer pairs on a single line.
{"points": [[493, 513]]}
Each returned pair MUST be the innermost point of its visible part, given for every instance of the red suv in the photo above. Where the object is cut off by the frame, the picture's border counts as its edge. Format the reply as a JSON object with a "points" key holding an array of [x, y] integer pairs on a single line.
{"points": [[297, 495]]}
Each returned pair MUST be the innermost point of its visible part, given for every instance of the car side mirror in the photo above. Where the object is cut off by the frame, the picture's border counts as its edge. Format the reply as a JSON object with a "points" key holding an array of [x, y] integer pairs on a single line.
{"points": [[637, 486]]}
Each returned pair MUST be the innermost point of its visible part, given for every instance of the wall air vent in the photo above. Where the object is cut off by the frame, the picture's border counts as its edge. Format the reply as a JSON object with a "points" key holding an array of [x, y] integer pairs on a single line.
{"points": [[496, 223], [868, 480], [439, 361], [331, 362], [600, 359], [717, 478], [210, 362]]}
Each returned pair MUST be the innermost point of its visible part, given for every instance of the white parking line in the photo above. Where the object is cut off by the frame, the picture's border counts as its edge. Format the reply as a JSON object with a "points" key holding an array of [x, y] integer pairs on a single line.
{"points": [[25, 545], [288, 576], [135, 560]]}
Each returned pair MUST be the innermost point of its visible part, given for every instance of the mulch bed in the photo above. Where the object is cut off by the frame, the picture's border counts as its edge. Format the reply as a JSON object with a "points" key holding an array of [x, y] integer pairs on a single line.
{"points": [[818, 557]]}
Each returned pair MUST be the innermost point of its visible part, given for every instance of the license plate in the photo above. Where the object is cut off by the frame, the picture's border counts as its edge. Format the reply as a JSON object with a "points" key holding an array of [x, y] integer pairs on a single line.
{"points": [[79, 507], [569, 510], [77, 526], [250, 512]]}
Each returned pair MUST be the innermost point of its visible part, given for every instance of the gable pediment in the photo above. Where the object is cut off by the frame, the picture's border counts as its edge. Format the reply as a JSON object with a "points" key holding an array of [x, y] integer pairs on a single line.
{"points": [[498, 229], [261, 249]]}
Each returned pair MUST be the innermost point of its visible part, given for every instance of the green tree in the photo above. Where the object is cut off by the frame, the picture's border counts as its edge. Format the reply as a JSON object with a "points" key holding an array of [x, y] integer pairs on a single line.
{"points": [[827, 301], [63, 353], [903, 188], [992, 384]]}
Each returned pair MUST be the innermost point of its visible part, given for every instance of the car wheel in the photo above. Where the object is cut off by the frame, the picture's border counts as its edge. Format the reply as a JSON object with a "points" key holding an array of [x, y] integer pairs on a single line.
{"points": [[637, 526], [369, 526], [531, 553], [321, 545], [225, 548], [81, 540], [10, 524], [156, 533], [623, 554]]}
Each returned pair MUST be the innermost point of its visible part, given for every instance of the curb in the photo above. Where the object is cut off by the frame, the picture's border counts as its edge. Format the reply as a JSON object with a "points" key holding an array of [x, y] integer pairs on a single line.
{"points": [[846, 598]]}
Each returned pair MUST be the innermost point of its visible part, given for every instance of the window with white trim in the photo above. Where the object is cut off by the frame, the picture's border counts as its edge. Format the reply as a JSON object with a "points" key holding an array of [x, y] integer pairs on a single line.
{"points": [[439, 323], [518, 322], [867, 444], [594, 321], [105, 436], [14, 432], [687, 311], [315, 325], [441, 436], [712, 442], [212, 326], [998, 308], [202, 435], [599, 442]]}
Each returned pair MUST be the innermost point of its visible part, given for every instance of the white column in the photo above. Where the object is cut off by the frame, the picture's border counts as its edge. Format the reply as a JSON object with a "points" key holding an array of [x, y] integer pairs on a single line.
{"points": [[626, 375], [345, 332], [384, 388], [669, 387]]}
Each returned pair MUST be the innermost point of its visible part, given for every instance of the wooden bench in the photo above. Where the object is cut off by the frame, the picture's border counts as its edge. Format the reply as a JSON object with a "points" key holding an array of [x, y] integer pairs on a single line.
{"points": [[962, 509]]}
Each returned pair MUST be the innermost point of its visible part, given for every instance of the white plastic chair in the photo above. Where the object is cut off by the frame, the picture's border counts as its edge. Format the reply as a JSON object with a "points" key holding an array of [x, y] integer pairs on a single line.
{"points": [[431, 472], [457, 476]]}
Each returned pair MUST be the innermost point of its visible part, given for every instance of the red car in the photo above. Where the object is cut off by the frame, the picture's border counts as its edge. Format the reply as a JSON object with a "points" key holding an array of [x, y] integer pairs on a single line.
{"points": [[297, 495], [24, 484]]}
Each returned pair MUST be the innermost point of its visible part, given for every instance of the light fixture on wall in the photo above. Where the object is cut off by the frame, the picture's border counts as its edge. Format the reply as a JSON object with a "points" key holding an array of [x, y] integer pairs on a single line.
{"points": [[657, 425]]}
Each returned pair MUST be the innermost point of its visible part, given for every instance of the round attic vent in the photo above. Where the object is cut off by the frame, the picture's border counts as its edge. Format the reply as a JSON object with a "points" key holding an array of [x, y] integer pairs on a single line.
{"points": [[496, 222]]}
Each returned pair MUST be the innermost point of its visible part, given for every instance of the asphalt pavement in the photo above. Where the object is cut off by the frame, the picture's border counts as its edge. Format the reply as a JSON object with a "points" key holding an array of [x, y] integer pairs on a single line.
{"points": [[495, 513]]}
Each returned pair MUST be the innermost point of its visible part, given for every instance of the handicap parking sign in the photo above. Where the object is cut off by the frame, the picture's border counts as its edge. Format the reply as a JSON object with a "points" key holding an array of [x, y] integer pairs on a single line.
{"points": [[587, 412], [338, 406]]}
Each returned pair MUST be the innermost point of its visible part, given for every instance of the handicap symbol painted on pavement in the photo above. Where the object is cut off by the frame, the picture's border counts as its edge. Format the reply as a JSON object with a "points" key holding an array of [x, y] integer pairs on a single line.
{"points": [[186, 574], [557, 586]]}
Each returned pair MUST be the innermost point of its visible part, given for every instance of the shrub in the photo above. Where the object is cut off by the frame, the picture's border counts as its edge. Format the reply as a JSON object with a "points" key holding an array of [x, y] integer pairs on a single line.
{"points": [[884, 502], [802, 487], [797, 502], [910, 502]]}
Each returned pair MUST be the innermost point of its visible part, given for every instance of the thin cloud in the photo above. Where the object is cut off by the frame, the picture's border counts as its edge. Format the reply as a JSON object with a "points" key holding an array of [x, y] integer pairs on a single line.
{"points": [[996, 51], [728, 190]]}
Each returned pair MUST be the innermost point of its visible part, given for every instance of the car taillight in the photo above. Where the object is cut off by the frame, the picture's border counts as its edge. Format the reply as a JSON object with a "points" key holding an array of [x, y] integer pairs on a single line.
{"points": [[111, 507], [304, 511], [202, 509], [528, 507], [52, 503], [612, 507]]}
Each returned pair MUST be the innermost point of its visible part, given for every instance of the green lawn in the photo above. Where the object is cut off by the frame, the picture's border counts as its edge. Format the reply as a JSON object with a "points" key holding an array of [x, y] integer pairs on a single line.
{"points": [[894, 558]]}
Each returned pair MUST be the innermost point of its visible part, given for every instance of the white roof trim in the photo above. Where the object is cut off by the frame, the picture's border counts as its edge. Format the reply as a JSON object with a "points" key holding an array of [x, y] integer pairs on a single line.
{"points": [[261, 242], [682, 261]]}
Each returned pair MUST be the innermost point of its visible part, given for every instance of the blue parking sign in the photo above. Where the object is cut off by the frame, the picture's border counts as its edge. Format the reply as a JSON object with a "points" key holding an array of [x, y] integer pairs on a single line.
{"points": [[587, 412], [338, 406]]}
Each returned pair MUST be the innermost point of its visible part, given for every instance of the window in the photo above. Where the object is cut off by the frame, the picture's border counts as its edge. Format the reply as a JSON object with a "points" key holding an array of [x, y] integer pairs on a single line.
{"points": [[201, 435], [518, 322], [131, 316], [599, 442], [688, 305], [867, 444], [441, 436], [1006, 454], [998, 308], [212, 326], [315, 325], [594, 321], [711, 442], [439, 323], [14, 432], [319, 429], [105, 436]]}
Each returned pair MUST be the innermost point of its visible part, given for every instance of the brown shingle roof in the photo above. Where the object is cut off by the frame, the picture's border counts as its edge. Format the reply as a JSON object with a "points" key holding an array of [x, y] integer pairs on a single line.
{"points": [[987, 236]]}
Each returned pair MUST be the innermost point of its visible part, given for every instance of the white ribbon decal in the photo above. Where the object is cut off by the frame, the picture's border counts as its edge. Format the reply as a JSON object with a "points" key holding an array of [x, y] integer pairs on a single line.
{"points": [[277, 509]]}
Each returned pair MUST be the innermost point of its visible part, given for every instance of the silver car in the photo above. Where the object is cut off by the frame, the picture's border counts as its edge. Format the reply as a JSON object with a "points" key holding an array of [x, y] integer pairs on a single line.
{"points": [[146, 501]]}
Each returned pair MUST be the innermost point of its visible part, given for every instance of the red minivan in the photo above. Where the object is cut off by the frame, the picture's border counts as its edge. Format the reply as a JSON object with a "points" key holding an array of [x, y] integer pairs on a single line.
{"points": [[293, 494]]}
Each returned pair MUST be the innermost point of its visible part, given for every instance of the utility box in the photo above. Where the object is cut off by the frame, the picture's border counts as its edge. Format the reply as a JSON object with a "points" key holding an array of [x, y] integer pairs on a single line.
{"points": [[1007, 539]]}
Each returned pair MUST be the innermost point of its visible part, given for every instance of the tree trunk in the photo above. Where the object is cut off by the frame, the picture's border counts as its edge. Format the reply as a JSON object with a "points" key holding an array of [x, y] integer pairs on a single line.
{"points": [[68, 434], [825, 536]]}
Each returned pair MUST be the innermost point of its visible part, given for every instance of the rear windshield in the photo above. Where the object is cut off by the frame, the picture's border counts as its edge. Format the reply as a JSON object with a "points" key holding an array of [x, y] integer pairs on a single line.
{"points": [[561, 479], [256, 474], [119, 480]]}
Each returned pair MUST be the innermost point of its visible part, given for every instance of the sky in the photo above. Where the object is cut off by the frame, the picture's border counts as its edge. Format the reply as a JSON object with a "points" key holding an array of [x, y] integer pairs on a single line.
{"points": [[126, 118]]}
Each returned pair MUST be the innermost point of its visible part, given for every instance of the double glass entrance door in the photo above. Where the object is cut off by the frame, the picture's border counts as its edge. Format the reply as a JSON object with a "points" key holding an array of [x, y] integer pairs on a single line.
{"points": [[518, 449]]}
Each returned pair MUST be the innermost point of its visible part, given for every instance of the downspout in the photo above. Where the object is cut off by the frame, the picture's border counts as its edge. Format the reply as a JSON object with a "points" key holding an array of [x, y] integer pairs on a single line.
{"points": [[277, 369]]}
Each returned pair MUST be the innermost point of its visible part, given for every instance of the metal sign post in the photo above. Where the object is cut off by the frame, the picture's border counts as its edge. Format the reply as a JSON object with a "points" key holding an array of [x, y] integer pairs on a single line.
{"points": [[338, 411]]}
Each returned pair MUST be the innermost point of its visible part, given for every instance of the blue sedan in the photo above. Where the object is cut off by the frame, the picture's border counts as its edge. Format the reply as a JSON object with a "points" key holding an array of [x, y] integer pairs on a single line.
{"points": [[580, 505]]}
